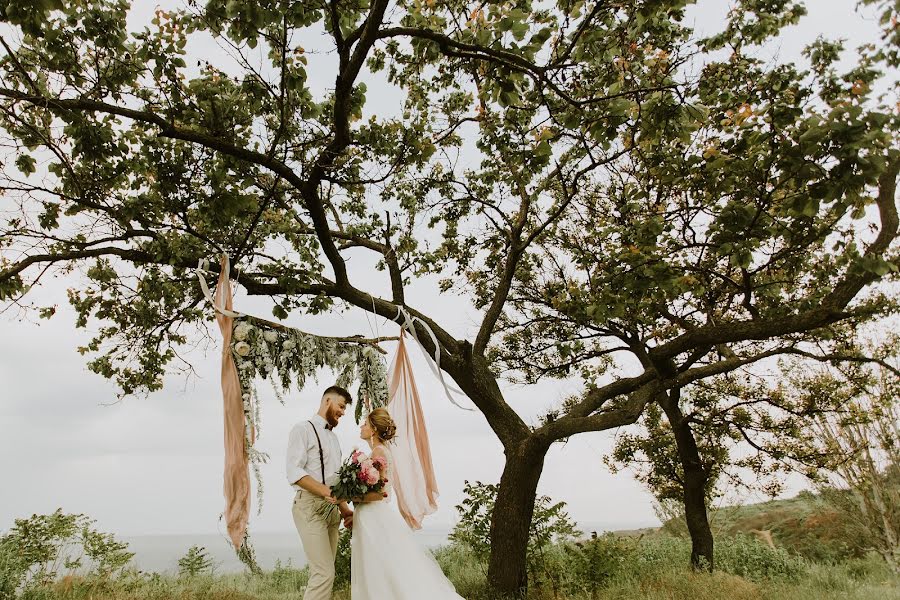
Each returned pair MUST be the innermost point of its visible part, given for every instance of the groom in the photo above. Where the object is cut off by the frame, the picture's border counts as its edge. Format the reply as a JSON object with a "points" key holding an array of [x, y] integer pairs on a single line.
{"points": [[313, 459]]}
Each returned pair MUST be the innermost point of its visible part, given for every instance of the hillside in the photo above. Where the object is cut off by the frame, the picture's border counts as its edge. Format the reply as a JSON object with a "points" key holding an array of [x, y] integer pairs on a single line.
{"points": [[803, 525]]}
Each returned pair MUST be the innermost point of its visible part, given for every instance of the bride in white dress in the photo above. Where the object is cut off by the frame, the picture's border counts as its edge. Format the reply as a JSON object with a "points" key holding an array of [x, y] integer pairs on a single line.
{"points": [[387, 563]]}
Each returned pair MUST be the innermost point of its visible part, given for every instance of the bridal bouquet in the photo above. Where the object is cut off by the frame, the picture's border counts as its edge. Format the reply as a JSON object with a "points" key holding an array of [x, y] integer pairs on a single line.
{"points": [[359, 475]]}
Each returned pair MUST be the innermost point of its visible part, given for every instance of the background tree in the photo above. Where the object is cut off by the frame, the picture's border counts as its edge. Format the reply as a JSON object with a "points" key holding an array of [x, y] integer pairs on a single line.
{"points": [[752, 427], [620, 201], [862, 480]]}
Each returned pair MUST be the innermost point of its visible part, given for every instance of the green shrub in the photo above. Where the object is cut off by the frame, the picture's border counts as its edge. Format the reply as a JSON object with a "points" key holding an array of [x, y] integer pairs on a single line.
{"points": [[286, 578], [342, 560], [41, 548], [12, 568], [745, 556], [592, 563], [195, 562], [550, 524]]}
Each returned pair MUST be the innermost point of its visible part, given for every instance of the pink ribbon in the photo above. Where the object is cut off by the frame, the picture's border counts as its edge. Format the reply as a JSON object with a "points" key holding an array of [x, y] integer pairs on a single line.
{"points": [[415, 485], [237, 473]]}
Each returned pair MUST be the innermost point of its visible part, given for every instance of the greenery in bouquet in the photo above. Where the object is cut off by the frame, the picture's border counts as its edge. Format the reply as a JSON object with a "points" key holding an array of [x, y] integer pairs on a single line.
{"points": [[358, 475]]}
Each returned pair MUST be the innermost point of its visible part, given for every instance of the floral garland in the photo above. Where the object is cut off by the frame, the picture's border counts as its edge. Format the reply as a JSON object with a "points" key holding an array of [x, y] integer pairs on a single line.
{"points": [[287, 357]]}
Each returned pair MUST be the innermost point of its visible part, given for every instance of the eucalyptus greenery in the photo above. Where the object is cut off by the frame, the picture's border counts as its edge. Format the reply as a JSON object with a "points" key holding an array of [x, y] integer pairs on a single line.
{"points": [[288, 357]]}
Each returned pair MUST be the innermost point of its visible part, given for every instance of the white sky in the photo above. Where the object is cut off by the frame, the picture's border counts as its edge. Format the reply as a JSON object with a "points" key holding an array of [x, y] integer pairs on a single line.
{"points": [[154, 465]]}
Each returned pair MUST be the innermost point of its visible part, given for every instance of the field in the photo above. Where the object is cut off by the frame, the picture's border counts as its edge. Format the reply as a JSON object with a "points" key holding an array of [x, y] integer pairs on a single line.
{"points": [[651, 568], [811, 561]]}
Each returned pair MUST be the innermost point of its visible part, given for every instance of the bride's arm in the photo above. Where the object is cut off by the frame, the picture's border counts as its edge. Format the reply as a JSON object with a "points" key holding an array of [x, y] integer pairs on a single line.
{"points": [[371, 497]]}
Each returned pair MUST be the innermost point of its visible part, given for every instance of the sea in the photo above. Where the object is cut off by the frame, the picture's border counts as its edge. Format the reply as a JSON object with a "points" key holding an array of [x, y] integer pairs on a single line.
{"points": [[160, 553]]}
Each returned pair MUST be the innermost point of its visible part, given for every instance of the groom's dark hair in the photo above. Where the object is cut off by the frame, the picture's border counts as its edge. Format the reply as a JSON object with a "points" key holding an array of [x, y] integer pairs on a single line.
{"points": [[336, 389]]}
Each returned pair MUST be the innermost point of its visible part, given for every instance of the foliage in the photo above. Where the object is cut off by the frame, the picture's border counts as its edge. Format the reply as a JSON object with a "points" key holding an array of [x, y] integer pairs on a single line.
{"points": [[596, 560], [596, 178], [549, 524], [864, 438], [750, 427], [196, 561], [751, 559], [653, 568], [651, 453], [285, 578], [288, 357], [867, 526], [342, 560], [808, 525], [247, 554], [42, 548]]}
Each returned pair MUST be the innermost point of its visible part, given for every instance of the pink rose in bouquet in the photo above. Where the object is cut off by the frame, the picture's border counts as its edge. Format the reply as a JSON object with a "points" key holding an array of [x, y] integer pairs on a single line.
{"points": [[358, 475], [373, 476]]}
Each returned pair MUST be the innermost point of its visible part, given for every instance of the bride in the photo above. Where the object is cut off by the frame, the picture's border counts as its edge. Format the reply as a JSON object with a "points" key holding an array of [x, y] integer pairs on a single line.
{"points": [[386, 561]]}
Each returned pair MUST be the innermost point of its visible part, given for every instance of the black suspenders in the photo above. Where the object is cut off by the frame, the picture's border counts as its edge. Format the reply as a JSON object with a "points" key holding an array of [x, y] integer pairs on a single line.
{"points": [[321, 455]]}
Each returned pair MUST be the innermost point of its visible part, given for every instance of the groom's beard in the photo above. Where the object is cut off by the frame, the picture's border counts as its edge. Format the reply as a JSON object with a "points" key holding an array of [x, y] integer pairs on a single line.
{"points": [[332, 420]]}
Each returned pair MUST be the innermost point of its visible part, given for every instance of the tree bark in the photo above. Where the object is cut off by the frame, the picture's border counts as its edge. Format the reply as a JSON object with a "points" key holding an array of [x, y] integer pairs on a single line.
{"points": [[511, 520], [696, 478]]}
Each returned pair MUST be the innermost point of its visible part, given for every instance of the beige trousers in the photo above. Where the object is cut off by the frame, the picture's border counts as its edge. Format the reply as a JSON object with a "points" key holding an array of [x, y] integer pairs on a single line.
{"points": [[320, 541]]}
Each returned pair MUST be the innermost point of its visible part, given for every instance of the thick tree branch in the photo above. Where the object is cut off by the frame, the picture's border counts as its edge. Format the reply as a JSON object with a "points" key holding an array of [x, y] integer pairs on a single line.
{"points": [[348, 70], [627, 413], [830, 310]]}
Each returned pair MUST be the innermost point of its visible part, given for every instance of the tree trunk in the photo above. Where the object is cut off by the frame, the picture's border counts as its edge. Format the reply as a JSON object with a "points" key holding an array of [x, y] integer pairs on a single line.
{"points": [[511, 520], [695, 512], [695, 481]]}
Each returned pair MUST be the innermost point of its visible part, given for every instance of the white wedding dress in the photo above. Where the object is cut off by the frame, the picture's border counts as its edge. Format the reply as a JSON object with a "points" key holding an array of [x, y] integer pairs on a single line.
{"points": [[387, 563]]}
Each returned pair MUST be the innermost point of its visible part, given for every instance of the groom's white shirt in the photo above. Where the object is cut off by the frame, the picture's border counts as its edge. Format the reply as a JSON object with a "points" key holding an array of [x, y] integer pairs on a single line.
{"points": [[303, 452]]}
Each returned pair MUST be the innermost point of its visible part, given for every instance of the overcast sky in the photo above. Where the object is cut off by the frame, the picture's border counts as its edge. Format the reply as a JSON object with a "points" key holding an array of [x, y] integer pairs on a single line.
{"points": [[154, 465]]}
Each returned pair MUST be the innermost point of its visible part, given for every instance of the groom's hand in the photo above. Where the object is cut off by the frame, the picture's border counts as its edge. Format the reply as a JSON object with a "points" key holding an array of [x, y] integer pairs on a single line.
{"points": [[348, 521], [311, 485]]}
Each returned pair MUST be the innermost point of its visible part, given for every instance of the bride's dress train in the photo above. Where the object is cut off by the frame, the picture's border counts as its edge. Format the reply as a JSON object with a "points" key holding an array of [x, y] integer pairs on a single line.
{"points": [[387, 563]]}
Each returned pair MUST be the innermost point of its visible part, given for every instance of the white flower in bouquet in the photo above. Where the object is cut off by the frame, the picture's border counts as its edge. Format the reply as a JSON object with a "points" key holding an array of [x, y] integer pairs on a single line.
{"points": [[242, 331], [289, 344], [270, 336], [242, 348]]}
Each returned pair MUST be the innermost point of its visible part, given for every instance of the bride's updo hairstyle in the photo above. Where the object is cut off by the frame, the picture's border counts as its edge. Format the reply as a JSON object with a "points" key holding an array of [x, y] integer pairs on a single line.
{"points": [[383, 424]]}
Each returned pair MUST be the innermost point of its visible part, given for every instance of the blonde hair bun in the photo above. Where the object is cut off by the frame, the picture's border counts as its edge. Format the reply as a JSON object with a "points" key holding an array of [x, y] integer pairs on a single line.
{"points": [[383, 424]]}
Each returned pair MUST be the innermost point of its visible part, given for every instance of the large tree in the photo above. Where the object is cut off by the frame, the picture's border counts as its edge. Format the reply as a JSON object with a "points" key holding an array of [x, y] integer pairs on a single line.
{"points": [[621, 201]]}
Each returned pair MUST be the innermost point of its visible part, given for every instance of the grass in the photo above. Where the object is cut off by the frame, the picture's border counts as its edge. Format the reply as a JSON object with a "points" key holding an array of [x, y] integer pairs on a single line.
{"points": [[650, 568], [804, 525]]}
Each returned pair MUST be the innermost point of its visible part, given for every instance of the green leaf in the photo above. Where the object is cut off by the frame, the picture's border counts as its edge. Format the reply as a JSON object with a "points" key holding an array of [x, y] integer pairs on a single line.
{"points": [[26, 164]]}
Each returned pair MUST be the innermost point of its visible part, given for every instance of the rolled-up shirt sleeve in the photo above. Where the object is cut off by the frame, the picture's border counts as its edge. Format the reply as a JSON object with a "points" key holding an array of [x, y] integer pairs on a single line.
{"points": [[297, 455]]}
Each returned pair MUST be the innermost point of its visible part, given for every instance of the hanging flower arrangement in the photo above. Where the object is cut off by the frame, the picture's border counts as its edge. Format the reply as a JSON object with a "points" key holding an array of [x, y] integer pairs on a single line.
{"points": [[288, 357]]}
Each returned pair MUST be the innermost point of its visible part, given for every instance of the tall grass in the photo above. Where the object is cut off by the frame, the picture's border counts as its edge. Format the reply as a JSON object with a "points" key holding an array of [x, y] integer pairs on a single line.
{"points": [[650, 568]]}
